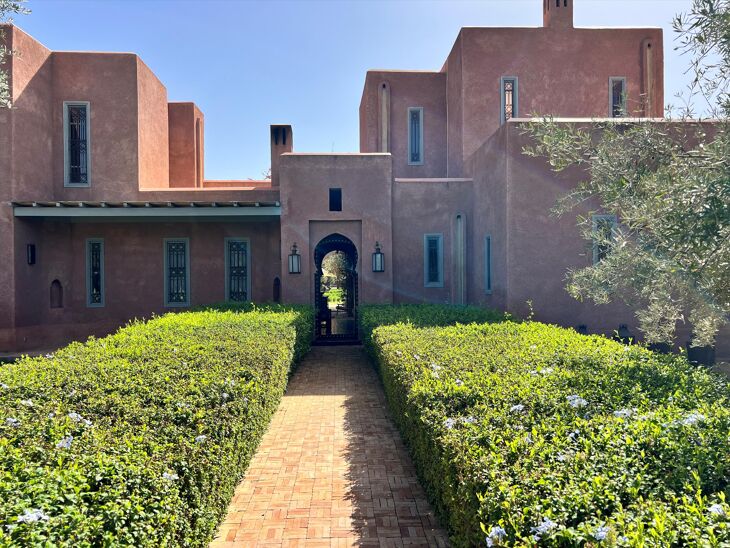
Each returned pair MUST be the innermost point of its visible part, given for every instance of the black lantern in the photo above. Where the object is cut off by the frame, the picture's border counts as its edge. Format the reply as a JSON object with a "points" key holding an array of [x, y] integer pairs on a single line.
{"points": [[295, 261], [378, 259]]}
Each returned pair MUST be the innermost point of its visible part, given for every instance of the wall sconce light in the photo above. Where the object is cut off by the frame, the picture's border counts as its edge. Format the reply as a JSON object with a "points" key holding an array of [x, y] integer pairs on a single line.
{"points": [[378, 259], [30, 252], [295, 261]]}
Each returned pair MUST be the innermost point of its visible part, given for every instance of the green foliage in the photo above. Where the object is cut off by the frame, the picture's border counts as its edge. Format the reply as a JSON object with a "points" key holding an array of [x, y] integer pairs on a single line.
{"points": [[422, 315], [669, 184], [139, 438], [528, 428], [8, 8], [335, 295]]}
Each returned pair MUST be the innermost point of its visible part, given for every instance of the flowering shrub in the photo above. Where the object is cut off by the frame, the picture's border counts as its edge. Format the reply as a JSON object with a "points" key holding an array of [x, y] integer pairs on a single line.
{"points": [[139, 438], [422, 315], [529, 434]]}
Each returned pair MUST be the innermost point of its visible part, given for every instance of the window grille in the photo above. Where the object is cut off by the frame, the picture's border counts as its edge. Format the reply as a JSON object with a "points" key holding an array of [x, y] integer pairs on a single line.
{"points": [[77, 143], [415, 136], [237, 270], [433, 260], [95, 272], [177, 272]]}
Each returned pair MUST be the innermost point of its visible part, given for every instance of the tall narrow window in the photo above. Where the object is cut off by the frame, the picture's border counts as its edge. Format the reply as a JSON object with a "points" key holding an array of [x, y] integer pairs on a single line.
{"points": [[177, 277], [617, 97], [95, 272], [415, 136], [604, 227], [509, 98], [237, 270], [335, 199], [488, 264], [433, 260], [76, 131]]}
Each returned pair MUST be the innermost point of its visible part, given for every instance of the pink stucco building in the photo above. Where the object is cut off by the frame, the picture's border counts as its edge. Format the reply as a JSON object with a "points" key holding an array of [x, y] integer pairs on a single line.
{"points": [[106, 214]]}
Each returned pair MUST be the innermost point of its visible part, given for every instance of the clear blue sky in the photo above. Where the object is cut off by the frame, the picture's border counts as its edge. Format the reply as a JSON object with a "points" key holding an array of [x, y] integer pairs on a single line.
{"points": [[248, 64]]}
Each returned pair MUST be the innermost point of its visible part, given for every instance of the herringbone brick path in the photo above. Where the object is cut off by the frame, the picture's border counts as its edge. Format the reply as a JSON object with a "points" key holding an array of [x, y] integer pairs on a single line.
{"points": [[332, 469]]}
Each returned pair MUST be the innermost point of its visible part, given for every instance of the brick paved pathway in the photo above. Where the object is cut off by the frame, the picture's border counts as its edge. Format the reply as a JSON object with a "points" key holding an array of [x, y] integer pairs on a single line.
{"points": [[332, 469]]}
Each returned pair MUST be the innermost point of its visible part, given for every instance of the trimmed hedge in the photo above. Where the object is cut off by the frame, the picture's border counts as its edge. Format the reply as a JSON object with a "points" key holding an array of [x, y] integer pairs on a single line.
{"points": [[422, 315], [529, 434], [139, 438]]}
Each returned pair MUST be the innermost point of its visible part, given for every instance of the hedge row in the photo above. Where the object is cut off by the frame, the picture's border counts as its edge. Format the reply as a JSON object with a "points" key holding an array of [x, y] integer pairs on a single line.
{"points": [[139, 438], [528, 434], [422, 315]]}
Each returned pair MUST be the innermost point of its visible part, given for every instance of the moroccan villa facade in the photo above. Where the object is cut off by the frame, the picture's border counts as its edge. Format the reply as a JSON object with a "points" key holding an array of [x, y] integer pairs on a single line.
{"points": [[106, 214]]}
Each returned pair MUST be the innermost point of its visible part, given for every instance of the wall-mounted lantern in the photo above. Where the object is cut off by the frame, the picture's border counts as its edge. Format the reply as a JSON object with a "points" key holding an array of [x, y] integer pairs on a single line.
{"points": [[378, 259], [30, 252], [295, 261]]}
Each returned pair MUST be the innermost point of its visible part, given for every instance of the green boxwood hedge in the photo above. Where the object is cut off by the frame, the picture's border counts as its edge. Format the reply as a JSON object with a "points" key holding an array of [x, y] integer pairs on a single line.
{"points": [[528, 434], [139, 438], [422, 315]]}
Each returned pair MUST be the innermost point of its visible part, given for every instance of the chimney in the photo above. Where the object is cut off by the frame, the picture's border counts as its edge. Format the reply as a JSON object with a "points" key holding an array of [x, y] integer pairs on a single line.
{"points": [[557, 13], [282, 140]]}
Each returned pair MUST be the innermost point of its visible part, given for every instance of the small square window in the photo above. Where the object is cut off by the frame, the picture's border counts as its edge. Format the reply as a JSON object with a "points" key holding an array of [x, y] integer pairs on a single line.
{"points": [[335, 199]]}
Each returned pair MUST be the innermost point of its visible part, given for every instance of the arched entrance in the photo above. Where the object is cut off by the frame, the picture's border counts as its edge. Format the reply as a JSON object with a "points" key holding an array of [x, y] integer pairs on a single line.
{"points": [[335, 288]]}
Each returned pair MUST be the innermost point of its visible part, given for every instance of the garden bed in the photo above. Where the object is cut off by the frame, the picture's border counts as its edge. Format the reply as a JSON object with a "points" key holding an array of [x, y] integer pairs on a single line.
{"points": [[530, 434], [140, 438]]}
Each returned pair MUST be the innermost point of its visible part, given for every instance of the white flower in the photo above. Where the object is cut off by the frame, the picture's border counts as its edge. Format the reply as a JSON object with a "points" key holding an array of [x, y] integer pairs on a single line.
{"points": [[459, 382], [11, 527], [470, 419], [717, 510], [576, 401], [533, 347], [170, 476], [624, 413], [32, 516], [449, 423], [546, 526], [231, 383], [497, 534], [547, 371], [601, 533], [12, 422], [49, 356], [51, 415], [65, 443], [416, 357], [201, 438], [435, 367], [4, 386], [224, 396], [517, 408], [574, 434], [528, 438], [27, 403], [692, 419], [398, 353], [78, 418]]}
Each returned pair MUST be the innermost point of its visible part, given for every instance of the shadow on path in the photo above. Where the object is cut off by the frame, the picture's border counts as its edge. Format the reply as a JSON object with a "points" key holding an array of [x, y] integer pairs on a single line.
{"points": [[332, 469]]}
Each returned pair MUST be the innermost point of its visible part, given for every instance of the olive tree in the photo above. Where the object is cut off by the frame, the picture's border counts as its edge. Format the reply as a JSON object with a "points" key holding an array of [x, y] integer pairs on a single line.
{"points": [[669, 185]]}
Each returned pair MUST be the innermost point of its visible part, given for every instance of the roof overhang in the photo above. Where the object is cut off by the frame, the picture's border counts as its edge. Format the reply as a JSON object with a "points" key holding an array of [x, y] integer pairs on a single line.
{"points": [[148, 210]]}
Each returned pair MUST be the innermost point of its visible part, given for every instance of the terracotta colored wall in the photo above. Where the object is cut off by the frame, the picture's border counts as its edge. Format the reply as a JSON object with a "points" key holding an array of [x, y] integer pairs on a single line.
{"points": [[365, 180], [455, 111], [421, 208], [153, 130], [25, 153], [564, 72], [542, 248], [134, 279], [184, 152], [489, 165], [408, 89], [109, 82]]}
